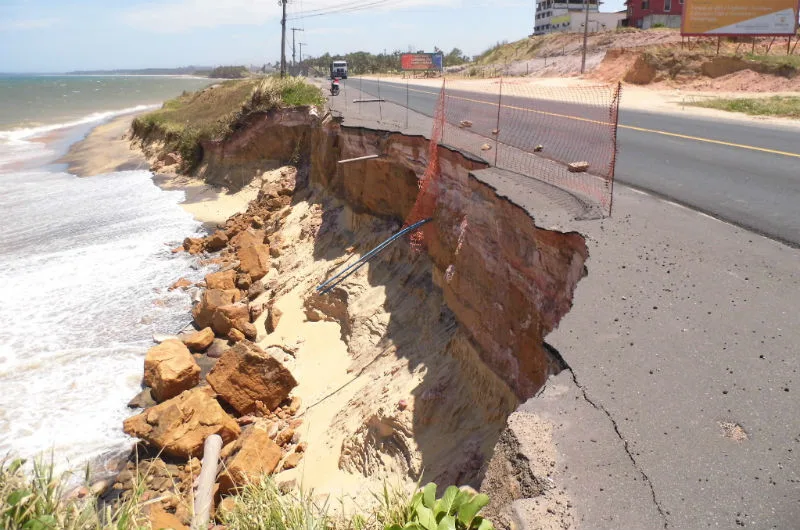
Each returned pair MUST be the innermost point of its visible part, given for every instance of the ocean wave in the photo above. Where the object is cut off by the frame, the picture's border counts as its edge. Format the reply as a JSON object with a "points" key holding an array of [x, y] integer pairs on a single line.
{"points": [[18, 135]]}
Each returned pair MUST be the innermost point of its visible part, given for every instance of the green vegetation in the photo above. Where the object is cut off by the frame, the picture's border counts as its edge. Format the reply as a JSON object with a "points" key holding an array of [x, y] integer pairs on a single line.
{"points": [[36, 501], [787, 106], [777, 61], [457, 509], [229, 72], [359, 63], [261, 505], [213, 113]]}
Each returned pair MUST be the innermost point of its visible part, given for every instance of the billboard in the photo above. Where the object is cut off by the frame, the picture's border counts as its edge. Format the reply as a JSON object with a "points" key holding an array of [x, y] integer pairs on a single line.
{"points": [[739, 17], [421, 61]]}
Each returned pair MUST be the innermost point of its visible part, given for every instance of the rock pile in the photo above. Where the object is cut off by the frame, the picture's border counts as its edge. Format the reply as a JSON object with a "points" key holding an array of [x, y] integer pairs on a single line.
{"points": [[216, 379]]}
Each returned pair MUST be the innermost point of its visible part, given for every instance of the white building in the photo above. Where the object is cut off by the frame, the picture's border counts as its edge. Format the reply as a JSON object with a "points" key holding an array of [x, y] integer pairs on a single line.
{"points": [[570, 15]]}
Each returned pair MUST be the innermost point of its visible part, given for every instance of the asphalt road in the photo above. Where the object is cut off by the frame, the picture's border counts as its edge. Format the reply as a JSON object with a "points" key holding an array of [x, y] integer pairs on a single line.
{"points": [[744, 173]]}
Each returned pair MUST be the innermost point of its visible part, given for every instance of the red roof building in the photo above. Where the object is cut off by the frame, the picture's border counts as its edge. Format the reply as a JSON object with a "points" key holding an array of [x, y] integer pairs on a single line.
{"points": [[647, 13]]}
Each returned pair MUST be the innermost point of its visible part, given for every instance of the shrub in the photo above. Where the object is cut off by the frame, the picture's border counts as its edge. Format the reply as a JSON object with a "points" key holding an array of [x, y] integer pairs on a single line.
{"points": [[457, 509]]}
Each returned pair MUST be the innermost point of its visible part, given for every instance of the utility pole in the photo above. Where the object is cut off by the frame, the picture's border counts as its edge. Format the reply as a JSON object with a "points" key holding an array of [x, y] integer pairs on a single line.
{"points": [[283, 38], [585, 36], [301, 44], [294, 63]]}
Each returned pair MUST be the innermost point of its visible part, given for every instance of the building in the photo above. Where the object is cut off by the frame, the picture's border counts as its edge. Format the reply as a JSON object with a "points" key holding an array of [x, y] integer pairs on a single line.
{"points": [[569, 16], [645, 14]]}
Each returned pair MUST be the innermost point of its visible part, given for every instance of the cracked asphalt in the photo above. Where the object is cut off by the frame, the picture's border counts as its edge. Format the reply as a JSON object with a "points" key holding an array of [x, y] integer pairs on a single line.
{"points": [[684, 334], [679, 409]]}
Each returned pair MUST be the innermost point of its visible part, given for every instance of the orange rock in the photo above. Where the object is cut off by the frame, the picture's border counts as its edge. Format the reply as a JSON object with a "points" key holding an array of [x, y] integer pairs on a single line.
{"points": [[221, 280], [179, 426], [292, 460], [246, 374], [284, 437], [254, 260], [216, 241], [210, 301], [169, 369], [182, 283], [234, 335], [225, 316], [249, 330], [199, 340], [161, 519], [253, 455], [273, 318], [248, 238], [193, 245]]}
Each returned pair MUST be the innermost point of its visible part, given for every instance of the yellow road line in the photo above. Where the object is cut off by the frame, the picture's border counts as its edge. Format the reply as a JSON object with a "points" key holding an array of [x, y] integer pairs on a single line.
{"points": [[630, 127], [710, 141]]}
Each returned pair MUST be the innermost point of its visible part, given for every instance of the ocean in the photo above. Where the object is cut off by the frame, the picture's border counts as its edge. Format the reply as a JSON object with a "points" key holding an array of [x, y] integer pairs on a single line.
{"points": [[84, 268]]}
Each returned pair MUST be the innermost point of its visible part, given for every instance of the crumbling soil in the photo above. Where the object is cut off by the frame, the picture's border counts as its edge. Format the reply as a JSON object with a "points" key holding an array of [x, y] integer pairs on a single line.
{"points": [[409, 368]]}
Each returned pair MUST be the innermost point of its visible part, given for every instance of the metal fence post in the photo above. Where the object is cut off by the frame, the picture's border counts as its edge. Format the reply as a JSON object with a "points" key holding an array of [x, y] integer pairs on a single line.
{"points": [[497, 130], [380, 106], [406, 103]]}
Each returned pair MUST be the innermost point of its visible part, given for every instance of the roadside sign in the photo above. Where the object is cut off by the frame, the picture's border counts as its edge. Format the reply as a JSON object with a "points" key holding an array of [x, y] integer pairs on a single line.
{"points": [[421, 61], [739, 17]]}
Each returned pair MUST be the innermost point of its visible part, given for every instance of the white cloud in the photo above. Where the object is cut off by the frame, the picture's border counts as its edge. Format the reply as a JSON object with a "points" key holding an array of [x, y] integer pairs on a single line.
{"points": [[183, 15], [27, 24]]}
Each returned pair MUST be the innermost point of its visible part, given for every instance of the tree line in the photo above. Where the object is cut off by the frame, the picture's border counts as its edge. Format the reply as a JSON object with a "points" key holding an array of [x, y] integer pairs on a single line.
{"points": [[359, 63]]}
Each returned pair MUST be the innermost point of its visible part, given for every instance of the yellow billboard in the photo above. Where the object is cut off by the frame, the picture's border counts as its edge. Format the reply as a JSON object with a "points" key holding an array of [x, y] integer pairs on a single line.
{"points": [[739, 17]]}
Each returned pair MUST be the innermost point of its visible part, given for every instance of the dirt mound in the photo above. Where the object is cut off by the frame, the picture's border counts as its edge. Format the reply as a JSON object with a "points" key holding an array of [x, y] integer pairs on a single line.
{"points": [[747, 81]]}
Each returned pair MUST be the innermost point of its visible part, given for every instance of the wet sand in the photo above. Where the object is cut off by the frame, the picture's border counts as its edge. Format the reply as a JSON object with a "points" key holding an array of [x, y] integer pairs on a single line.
{"points": [[108, 148]]}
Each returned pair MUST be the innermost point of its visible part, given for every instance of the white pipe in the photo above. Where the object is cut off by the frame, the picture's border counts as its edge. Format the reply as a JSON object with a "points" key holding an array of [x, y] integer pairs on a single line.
{"points": [[205, 482], [368, 157]]}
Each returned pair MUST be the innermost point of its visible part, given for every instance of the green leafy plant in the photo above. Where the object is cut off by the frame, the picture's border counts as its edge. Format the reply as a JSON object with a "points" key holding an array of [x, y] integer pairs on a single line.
{"points": [[457, 509]]}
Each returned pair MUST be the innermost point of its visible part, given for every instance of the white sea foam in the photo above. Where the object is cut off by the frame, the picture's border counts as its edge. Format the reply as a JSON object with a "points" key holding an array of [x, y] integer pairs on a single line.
{"points": [[84, 266], [21, 146], [95, 117]]}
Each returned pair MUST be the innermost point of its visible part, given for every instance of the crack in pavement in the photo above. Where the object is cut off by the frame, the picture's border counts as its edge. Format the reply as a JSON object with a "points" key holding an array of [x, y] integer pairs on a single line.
{"points": [[624, 443]]}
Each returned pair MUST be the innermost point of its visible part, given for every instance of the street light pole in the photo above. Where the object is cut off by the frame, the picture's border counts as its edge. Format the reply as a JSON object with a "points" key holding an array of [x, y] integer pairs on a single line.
{"points": [[283, 38], [294, 62], [585, 36]]}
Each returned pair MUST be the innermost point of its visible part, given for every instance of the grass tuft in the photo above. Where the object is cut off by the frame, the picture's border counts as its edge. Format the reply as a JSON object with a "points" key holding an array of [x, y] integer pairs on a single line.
{"points": [[213, 113], [37, 500], [261, 505], [785, 106]]}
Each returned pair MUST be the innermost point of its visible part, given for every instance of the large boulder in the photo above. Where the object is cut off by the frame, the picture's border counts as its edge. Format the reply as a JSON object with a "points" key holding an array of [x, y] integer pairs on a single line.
{"points": [[169, 369], [193, 245], [179, 426], [203, 311], [254, 260], [225, 318], [216, 241], [221, 280], [246, 374], [199, 340], [248, 238], [252, 455]]}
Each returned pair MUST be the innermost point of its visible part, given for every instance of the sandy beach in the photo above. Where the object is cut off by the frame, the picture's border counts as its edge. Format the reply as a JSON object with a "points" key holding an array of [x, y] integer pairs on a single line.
{"points": [[108, 148]]}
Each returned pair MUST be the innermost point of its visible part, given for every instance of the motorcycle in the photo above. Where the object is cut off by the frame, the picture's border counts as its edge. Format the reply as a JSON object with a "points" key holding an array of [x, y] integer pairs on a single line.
{"points": [[335, 87]]}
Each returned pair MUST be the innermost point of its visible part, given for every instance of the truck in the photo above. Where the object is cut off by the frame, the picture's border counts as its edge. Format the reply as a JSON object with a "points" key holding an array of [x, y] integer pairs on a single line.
{"points": [[339, 70]]}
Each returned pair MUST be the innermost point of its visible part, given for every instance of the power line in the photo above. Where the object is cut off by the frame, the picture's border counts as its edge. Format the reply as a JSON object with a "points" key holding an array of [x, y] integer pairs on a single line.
{"points": [[342, 9]]}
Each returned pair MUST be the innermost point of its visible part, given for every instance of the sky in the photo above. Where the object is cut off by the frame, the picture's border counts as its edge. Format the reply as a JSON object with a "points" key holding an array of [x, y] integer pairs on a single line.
{"points": [[66, 35]]}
